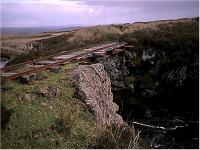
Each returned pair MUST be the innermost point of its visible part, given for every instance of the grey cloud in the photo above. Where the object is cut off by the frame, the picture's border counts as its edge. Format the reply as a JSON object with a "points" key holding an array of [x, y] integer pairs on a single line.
{"points": [[146, 6], [92, 12]]}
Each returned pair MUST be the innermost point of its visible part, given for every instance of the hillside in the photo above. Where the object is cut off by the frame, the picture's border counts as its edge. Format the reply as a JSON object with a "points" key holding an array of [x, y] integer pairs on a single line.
{"points": [[23, 48], [152, 85]]}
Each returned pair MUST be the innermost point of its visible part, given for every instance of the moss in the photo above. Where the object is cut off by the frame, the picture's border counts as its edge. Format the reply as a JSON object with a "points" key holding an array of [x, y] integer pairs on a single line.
{"points": [[130, 79], [46, 121], [148, 81], [50, 121]]}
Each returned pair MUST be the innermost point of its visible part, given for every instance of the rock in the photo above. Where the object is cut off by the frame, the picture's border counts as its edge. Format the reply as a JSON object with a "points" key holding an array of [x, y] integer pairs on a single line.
{"points": [[55, 69], [50, 91], [116, 69], [44, 91], [176, 76], [147, 114], [44, 104], [27, 78], [28, 97], [148, 54], [94, 88]]}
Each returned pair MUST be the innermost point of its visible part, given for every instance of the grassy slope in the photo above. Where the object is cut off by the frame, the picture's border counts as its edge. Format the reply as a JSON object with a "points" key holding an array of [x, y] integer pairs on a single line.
{"points": [[54, 122], [47, 121], [63, 41]]}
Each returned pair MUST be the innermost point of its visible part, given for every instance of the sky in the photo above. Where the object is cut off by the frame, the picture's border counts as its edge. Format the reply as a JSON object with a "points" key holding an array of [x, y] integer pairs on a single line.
{"points": [[36, 13]]}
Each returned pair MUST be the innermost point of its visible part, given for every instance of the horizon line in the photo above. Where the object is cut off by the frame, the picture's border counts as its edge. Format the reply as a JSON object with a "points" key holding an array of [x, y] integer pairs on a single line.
{"points": [[83, 25]]}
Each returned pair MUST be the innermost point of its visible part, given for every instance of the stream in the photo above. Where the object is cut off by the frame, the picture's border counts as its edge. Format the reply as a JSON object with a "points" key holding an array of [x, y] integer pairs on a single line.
{"points": [[160, 126]]}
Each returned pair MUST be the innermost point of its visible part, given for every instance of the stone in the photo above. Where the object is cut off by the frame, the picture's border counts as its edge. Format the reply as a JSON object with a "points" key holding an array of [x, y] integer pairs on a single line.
{"points": [[147, 114], [50, 91], [148, 54], [116, 68], [176, 76], [94, 88], [98, 54], [27, 78], [55, 69], [44, 91], [28, 97], [44, 104]]}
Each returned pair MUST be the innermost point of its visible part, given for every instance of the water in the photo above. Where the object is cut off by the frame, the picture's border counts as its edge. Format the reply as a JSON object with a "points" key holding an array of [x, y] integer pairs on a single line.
{"points": [[162, 125], [34, 30]]}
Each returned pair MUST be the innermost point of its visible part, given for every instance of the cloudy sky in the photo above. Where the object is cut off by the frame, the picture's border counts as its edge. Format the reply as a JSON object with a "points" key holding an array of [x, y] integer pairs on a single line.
{"points": [[29, 13]]}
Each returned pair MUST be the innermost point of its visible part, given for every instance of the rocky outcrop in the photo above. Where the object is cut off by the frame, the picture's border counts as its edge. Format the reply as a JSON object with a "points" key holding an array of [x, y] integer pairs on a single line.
{"points": [[176, 76], [116, 68], [32, 45], [94, 88], [148, 54]]}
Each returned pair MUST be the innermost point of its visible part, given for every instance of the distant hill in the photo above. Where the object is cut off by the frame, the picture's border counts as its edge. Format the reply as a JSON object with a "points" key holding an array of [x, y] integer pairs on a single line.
{"points": [[33, 30], [47, 41]]}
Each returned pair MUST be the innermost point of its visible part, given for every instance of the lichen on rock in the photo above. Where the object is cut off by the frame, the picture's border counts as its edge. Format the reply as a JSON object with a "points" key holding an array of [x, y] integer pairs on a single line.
{"points": [[94, 88]]}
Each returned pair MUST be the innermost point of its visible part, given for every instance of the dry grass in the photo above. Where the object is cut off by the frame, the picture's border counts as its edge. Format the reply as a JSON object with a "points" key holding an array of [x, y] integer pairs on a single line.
{"points": [[17, 43], [118, 137]]}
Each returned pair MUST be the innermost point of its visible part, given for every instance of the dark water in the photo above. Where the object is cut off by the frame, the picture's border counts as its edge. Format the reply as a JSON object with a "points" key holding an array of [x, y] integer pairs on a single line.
{"points": [[34, 30], [176, 112]]}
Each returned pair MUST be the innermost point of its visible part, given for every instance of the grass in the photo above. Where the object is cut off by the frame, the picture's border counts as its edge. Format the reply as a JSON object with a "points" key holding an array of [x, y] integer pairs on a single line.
{"points": [[45, 114], [65, 41], [118, 137], [46, 121]]}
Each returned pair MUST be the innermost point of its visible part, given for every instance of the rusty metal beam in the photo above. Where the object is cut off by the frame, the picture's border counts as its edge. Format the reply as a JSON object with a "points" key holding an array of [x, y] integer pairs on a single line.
{"points": [[53, 64], [7, 68]]}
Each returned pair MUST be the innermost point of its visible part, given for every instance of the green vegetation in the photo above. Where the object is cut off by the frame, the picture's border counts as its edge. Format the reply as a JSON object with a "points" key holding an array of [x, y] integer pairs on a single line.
{"points": [[178, 41], [116, 137], [45, 114], [67, 42], [8, 54], [143, 35], [175, 45]]}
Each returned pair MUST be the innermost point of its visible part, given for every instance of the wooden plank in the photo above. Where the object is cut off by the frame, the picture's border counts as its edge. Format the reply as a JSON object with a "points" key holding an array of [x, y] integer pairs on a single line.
{"points": [[34, 66], [51, 64], [115, 51], [7, 74], [7, 68], [61, 57], [45, 62], [129, 46]]}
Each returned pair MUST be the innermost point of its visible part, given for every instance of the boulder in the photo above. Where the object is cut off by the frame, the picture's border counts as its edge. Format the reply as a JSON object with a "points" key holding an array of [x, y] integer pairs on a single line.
{"points": [[94, 88]]}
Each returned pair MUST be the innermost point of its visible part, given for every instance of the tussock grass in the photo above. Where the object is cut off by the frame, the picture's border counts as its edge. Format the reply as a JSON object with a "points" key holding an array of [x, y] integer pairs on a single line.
{"points": [[118, 137]]}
